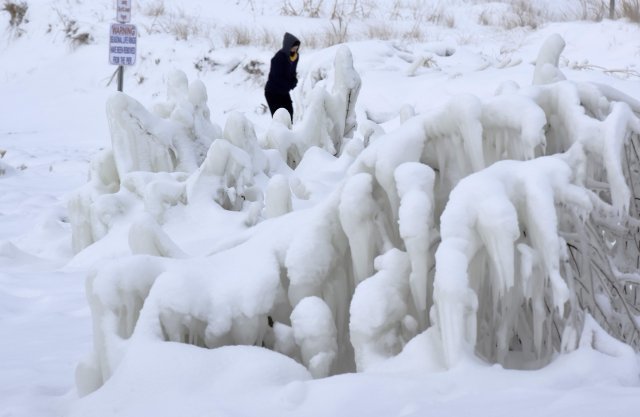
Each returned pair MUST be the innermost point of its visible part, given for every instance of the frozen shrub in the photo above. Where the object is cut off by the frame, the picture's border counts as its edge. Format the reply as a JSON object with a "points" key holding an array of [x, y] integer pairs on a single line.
{"points": [[497, 228], [17, 11]]}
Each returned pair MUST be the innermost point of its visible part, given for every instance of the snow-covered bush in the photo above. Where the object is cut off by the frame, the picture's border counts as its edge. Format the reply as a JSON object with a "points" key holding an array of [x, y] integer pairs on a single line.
{"points": [[494, 225], [17, 11], [175, 140], [565, 226], [514, 13]]}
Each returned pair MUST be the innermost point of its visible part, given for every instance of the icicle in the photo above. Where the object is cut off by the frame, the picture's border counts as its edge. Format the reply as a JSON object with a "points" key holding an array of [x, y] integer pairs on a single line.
{"points": [[415, 187], [357, 210], [497, 226]]}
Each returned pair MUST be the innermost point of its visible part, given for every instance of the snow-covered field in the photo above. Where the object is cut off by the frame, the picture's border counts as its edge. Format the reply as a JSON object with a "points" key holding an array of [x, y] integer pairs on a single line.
{"points": [[210, 277]]}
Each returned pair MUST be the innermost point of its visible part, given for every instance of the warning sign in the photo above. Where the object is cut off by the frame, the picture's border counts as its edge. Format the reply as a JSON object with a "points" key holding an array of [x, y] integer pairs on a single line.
{"points": [[123, 40], [124, 11]]}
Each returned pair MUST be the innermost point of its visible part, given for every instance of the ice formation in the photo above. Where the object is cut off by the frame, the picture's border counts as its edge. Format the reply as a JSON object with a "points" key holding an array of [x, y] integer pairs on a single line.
{"points": [[328, 122], [496, 225]]}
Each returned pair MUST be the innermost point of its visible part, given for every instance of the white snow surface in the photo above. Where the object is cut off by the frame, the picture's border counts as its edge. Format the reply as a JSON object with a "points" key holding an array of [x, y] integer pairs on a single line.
{"points": [[174, 251]]}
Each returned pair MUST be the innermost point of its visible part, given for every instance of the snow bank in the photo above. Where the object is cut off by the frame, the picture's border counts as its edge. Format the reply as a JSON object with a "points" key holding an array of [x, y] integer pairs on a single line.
{"points": [[185, 374]]}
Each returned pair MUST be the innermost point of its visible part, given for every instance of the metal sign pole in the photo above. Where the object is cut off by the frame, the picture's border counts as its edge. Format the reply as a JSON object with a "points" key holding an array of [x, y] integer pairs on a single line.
{"points": [[120, 77], [612, 9]]}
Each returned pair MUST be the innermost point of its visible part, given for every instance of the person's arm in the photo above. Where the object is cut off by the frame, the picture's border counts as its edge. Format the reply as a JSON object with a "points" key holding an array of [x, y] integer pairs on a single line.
{"points": [[293, 77]]}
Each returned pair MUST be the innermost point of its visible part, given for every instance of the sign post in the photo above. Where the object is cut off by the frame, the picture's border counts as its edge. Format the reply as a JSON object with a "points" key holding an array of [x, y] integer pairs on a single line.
{"points": [[123, 40]]}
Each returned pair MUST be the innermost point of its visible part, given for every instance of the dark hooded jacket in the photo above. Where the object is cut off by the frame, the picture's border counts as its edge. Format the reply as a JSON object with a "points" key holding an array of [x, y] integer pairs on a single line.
{"points": [[282, 75]]}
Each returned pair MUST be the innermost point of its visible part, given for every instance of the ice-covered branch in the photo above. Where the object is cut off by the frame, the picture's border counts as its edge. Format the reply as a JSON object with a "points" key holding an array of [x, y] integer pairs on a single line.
{"points": [[504, 224]]}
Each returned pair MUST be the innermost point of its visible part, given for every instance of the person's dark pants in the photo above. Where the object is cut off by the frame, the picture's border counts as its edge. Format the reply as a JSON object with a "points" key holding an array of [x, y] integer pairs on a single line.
{"points": [[278, 100]]}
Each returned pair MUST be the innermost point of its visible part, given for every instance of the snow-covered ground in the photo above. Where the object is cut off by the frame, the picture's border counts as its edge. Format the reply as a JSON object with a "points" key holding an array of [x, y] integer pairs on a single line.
{"points": [[53, 123]]}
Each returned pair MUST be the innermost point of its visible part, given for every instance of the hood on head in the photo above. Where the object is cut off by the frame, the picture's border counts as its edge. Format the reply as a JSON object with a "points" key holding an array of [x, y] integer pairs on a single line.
{"points": [[289, 41]]}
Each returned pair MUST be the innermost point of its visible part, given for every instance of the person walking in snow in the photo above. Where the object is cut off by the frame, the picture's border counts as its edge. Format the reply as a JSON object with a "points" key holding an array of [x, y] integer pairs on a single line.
{"points": [[282, 75]]}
